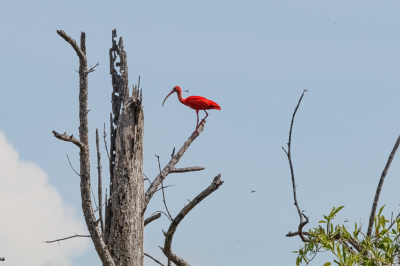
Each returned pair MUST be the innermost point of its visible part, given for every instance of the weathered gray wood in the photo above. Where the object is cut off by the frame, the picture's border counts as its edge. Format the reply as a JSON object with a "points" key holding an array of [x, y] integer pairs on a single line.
{"points": [[126, 223], [83, 143]]}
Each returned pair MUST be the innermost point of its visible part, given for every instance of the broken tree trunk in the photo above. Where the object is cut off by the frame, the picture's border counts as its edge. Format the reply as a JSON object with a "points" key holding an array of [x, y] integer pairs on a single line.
{"points": [[124, 213]]}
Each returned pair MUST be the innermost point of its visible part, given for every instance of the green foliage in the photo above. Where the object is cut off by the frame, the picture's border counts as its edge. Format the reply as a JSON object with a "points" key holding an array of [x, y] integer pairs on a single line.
{"points": [[355, 248]]}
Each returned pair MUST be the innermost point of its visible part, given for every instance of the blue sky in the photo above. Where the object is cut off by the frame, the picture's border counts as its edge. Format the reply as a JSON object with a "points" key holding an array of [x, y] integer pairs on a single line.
{"points": [[254, 58]]}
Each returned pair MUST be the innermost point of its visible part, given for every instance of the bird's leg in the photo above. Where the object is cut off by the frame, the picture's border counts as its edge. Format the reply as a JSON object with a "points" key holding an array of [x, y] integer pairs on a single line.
{"points": [[197, 125], [204, 117]]}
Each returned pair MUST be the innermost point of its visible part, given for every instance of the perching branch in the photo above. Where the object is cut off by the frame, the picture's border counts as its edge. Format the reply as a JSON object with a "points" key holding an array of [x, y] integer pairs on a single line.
{"points": [[167, 249], [83, 144], [153, 259], [171, 165], [289, 155], [152, 218], [2, 259], [379, 188]]}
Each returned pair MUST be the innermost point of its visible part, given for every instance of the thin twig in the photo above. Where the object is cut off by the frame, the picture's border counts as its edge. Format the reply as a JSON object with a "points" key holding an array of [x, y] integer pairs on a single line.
{"points": [[153, 259], [162, 188], [379, 188], [165, 187], [71, 166], [146, 178], [94, 198], [92, 69], [289, 156], [58, 240], [397, 217], [166, 215]]}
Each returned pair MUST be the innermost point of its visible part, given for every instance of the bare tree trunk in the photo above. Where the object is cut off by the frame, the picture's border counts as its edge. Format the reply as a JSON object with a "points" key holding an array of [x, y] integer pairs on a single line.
{"points": [[125, 223]]}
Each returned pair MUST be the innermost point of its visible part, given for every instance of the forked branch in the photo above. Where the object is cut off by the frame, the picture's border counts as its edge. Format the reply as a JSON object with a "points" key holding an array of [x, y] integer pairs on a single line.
{"points": [[167, 249]]}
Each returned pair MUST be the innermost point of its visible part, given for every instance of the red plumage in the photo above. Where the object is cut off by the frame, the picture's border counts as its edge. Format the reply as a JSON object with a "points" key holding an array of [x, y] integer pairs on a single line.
{"points": [[200, 103], [195, 102]]}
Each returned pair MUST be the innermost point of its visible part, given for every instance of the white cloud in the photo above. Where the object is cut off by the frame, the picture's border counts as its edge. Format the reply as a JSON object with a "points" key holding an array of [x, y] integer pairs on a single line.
{"points": [[31, 210]]}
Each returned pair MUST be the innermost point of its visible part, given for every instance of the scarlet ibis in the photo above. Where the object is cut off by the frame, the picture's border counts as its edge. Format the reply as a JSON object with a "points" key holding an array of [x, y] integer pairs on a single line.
{"points": [[195, 102]]}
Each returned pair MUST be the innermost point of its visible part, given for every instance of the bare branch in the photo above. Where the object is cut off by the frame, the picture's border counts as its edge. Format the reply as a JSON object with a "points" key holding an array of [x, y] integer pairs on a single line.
{"points": [[174, 160], [187, 169], [71, 166], [152, 218], [81, 54], [289, 156], [379, 188], [100, 185], [153, 259], [58, 240], [68, 138], [167, 250], [2, 259]]}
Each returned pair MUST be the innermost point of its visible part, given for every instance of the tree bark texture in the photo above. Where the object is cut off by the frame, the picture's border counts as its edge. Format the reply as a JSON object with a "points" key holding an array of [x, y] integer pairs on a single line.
{"points": [[124, 216]]}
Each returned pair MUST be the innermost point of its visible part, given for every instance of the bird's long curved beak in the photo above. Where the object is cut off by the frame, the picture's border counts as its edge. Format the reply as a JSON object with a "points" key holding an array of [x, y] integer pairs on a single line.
{"points": [[167, 97]]}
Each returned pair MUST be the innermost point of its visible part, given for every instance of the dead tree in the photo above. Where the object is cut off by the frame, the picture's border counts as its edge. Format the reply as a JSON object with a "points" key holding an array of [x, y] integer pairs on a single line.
{"points": [[118, 236]]}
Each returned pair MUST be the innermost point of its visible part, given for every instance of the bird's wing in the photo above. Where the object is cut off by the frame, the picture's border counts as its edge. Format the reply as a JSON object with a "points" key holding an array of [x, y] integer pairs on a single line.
{"points": [[201, 103]]}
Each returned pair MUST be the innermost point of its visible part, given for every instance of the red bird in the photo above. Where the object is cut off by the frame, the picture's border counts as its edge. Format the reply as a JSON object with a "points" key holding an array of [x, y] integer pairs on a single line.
{"points": [[195, 102]]}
